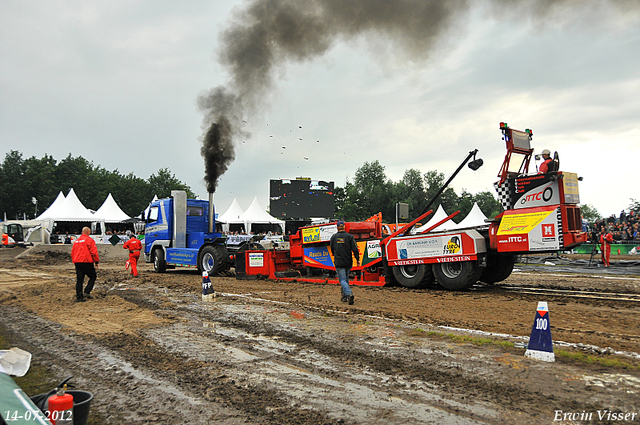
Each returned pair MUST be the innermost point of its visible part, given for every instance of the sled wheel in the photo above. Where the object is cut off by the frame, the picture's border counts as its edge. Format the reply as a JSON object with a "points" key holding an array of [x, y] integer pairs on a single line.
{"points": [[499, 267], [457, 275], [213, 259], [159, 265], [414, 276]]}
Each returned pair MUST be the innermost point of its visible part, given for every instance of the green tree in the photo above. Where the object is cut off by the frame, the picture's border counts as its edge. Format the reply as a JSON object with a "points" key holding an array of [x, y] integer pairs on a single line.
{"points": [[24, 179], [590, 213], [13, 197], [410, 190], [374, 190], [448, 199], [163, 182], [488, 203], [465, 203]]}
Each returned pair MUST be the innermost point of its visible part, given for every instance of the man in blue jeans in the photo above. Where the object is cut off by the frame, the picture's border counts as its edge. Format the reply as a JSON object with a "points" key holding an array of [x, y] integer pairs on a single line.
{"points": [[342, 245]]}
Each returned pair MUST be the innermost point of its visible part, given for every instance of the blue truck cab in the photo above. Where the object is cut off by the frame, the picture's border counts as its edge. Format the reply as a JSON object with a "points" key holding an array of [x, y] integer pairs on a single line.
{"points": [[181, 232]]}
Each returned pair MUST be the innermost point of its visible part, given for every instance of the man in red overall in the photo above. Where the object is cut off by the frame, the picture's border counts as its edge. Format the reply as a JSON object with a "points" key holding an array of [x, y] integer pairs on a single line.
{"points": [[134, 246], [84, 255], [606, 239]]}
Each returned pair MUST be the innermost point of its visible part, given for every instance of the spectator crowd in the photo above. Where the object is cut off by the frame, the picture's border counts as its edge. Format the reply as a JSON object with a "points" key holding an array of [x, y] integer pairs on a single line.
{"points": [[625, 228]]}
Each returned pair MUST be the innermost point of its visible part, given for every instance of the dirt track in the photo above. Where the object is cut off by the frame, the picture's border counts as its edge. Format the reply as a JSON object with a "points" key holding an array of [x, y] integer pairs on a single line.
{"points": [[272, 352]]}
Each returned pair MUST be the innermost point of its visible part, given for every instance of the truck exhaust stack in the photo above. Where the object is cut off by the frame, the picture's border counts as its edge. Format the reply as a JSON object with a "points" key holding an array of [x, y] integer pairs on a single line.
{"points": [[211, 229]]}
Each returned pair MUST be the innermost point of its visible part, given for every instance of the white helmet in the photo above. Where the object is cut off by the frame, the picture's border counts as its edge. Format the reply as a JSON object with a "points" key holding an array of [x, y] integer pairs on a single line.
{"points": [[546, 152]]}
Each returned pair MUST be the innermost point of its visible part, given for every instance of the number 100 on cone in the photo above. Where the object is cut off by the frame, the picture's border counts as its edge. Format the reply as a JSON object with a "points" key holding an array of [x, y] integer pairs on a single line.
{"points": [[540, 345]]}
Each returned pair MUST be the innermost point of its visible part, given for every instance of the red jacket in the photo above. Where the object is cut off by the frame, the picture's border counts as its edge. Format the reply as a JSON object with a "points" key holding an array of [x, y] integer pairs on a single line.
{"points": [[544, 167], [606, 238], [84, 250], [133, 244]]}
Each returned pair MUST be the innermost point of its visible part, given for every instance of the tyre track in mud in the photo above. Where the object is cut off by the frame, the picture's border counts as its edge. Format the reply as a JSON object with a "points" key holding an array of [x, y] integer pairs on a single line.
{"points": [[438, 381], [298, 358]]}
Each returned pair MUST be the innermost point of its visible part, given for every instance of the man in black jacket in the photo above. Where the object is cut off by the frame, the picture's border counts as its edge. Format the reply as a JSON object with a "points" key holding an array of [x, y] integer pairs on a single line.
{"points": [[342, 245]]}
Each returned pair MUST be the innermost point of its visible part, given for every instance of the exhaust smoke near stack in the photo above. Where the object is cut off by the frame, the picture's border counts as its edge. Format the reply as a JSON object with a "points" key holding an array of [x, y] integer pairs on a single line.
{"points": [[265, 35]]}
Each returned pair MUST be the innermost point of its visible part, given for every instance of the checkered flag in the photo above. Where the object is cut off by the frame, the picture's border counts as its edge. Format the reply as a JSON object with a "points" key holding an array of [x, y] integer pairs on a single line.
{"points": [[504, 191]]}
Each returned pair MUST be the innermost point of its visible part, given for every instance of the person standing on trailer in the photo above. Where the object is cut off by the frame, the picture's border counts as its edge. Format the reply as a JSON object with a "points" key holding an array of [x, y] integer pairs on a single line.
{"points": [[342, 246], [84, 255], [544, 167], [134, 246], [606, 239]]}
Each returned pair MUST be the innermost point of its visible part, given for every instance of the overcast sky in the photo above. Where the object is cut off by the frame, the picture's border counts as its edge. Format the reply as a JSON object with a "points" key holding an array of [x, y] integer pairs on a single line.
{"points": [[117, 82]]}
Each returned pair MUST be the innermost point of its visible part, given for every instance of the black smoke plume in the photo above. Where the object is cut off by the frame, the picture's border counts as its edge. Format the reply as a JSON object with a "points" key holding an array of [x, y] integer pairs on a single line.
{"points": [[265, 35]]}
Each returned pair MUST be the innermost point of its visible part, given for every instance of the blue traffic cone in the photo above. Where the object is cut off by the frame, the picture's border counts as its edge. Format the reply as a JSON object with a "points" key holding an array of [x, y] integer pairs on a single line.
{"points": [[540, 345]]}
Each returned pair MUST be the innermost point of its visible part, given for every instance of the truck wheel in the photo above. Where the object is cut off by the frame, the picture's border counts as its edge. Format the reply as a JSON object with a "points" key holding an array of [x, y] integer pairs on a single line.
{"points": [[213, 259], [499, 267], [457, 275], [414, 276], [159, 265]]}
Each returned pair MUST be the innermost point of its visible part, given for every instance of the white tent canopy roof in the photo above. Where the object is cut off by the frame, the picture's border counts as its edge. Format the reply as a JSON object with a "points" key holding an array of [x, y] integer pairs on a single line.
{"points": [[232, 214], [255, 214], [110, 212], [71, 209], [474, 218], [53, 208], [439, 215]]}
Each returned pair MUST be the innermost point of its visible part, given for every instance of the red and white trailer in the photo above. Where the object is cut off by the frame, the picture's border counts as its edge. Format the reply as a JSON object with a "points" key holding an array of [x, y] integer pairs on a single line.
{"points": [[541, 214]]}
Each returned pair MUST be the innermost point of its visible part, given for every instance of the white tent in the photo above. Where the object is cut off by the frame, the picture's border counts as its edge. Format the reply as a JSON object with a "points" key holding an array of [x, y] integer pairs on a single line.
{"points": [[231, 215], [256, 215], [474, 218], [71, 209], [53, 208], [439, 215], [110, 212]]}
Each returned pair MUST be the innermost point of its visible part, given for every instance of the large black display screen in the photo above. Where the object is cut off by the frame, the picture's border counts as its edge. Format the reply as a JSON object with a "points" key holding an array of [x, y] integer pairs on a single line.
{"points": [[300, 199]]}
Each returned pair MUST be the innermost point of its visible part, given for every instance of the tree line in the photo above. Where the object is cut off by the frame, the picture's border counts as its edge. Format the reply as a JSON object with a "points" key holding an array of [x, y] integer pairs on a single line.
{"points": [[22, 180], [371, 191]]}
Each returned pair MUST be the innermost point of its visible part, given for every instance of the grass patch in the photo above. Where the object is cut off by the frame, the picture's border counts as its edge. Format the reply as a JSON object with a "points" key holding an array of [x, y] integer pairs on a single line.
{"points": [[459, 339], [37, 380], [479, 341], [608, 361]]}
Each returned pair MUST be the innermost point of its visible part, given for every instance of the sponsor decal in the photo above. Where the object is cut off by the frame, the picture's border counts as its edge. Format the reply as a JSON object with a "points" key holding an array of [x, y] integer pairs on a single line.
{"points": [[373, 250], [311, 235], [319, 233], [318, 256], [454, 259], [453, 246], [424, 247], [538, 190], [522, 223], [256, 259], [408, 262]]}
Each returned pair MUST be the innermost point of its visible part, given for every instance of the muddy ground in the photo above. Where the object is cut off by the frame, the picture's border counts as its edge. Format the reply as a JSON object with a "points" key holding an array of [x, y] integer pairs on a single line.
{"points": [[151, 351]]}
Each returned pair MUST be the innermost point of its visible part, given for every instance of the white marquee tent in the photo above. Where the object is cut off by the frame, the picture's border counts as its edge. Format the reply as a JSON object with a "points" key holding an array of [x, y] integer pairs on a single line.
{"points": [[474, 218], [110, 212], [231, 215], [53, 208], [439, 215], [71, 209], [256, 215]]}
